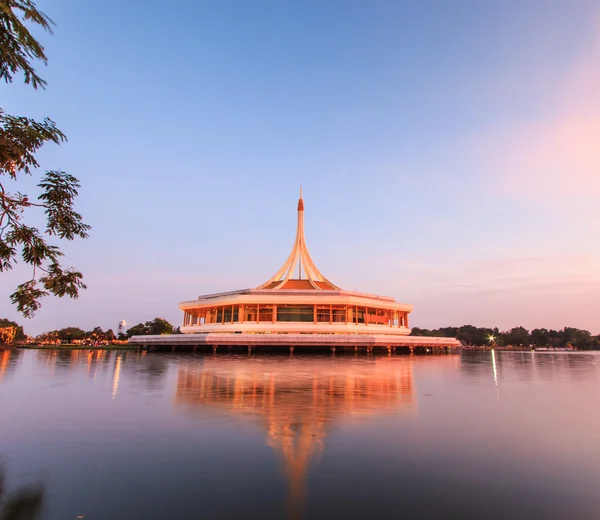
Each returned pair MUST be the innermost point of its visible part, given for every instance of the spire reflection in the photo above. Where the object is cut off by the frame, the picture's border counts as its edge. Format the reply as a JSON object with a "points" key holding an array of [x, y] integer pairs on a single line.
{"points": [[298, 400]]}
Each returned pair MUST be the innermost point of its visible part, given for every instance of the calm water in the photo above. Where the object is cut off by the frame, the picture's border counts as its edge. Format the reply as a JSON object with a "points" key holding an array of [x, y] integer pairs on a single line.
{"points": [[110, 435]]}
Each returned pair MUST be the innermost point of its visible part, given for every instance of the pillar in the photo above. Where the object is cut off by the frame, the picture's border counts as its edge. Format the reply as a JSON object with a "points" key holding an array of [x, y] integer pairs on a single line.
{"points": [[215, 349], [291, 350], [249, 349], [333, 350], [412, 350], [356, 350], [389, 349]]}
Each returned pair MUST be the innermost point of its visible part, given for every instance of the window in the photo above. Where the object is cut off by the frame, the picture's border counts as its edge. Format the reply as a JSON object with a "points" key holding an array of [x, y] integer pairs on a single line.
{"points": [[338, 314], [265, 313], [323, 313], [359, 315], [295, 313]]}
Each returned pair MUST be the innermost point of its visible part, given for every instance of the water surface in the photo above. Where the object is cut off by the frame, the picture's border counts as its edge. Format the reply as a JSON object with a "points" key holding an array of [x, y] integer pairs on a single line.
{"points": [[110, 435]]}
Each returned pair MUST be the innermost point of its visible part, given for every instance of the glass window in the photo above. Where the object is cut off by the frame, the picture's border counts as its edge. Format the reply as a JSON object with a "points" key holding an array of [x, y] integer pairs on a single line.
{"points": [[295, 313], [359, 315], [236, 313], [220, 315], [227, 314], [265, 313], [323, 313], [338, 314]]}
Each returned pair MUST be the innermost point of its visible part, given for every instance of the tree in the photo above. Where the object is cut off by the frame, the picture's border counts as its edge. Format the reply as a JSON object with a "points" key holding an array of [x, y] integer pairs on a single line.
{"points": [[19, 333], [137, 330], [20, 138], [159, 326], [156, 326], [517, 336], [70, 333], [109, 335]]}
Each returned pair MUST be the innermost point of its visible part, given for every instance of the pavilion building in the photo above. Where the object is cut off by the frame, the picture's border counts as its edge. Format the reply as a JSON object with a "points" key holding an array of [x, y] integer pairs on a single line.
{"points": [[296, 306]]}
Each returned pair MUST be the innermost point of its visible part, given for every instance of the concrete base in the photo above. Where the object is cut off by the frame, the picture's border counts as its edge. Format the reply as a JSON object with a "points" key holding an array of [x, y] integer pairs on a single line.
{"points": [[299, 340]]}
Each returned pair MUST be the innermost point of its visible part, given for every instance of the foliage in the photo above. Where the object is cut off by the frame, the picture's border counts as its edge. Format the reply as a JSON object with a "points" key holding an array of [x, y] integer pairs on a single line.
{"points": [[70, 333], [20, 139], [19, 334], [138, 330], [156, 326], [7, 335], [517, 336]]}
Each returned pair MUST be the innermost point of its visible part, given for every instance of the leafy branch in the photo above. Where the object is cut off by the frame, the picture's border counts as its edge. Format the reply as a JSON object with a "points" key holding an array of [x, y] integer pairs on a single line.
{"points": [[20, 140]]}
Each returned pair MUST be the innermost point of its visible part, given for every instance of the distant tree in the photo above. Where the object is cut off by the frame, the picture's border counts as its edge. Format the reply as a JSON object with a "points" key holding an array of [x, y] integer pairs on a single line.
{"points": [[471, 335], [138, 330], [19, 333], [20, 139], [48, 337], [70, 333], [109, 335], [581, 339], [96, 334], [159, 326], [517, 336], [540, 337], [121, 336]]}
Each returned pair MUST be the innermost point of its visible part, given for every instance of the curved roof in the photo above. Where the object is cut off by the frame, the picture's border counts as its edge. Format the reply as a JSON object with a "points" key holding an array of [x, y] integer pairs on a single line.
{"points": [[300, 262]]}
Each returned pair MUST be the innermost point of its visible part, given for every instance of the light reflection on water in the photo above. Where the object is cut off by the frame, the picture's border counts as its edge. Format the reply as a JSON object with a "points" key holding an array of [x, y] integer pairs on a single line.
{"points": [[136, 435]]}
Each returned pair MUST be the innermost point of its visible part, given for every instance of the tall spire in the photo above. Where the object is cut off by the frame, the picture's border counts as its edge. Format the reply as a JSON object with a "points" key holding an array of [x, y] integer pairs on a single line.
{"points": [[299, 257]]}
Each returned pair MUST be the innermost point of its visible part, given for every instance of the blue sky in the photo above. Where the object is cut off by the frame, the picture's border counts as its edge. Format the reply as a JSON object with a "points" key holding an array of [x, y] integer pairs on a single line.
{"points": [[448, 153]]}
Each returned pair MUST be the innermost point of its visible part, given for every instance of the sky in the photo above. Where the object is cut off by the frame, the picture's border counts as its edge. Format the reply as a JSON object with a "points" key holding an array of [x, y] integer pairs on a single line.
{"points": [[449, 154]]}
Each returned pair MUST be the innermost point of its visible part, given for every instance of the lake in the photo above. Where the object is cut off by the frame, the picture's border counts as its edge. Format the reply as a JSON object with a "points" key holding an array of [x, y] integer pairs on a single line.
{"points": [[124, 434]]}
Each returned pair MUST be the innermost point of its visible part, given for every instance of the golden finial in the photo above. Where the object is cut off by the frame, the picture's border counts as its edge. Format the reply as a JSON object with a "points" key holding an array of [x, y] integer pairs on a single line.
{"points": [[300, 201]]}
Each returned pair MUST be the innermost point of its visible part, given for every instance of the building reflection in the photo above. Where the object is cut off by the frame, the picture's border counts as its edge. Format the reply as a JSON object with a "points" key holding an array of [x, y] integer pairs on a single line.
{"points": [[298, 400]]}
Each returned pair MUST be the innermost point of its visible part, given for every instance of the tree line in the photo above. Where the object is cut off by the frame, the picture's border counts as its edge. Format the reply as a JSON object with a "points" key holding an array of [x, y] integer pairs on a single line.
{"points": [[78, 335], [569, 337]]}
